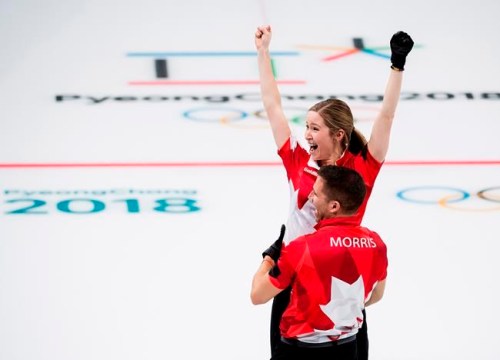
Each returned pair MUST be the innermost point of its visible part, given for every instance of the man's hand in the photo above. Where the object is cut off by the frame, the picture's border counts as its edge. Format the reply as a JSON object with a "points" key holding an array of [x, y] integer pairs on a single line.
{"points": [[401, 45], [274, 251]]}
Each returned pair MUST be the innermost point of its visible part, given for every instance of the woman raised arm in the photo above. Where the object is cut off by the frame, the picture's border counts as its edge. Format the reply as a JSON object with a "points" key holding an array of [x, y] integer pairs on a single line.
{"points": [[270, 94], [401, 45]]}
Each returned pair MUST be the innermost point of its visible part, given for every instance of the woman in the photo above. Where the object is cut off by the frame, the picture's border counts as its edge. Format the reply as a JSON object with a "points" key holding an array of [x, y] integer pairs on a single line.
{"points": [[332, 140]]}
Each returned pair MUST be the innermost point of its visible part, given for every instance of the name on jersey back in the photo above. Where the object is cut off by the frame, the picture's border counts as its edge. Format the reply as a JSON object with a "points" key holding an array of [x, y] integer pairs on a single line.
{"points": [[352, 242]]}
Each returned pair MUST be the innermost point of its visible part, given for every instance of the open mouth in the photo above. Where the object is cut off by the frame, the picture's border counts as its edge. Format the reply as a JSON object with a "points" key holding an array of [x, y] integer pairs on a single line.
{"points": [[313, 148]]}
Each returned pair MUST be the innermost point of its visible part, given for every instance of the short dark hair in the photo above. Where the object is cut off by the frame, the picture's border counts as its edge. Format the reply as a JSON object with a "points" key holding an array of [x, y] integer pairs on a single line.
{"points": [[343, 185]]}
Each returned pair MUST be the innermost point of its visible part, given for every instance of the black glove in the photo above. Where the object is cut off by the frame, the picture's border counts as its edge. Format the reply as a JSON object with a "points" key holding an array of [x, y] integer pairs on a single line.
{"points": [[401, 45], [274, 251]]}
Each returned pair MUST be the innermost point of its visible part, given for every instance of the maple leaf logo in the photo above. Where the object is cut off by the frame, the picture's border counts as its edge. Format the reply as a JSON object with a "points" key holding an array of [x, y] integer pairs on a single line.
{"points": [[346, 302]]}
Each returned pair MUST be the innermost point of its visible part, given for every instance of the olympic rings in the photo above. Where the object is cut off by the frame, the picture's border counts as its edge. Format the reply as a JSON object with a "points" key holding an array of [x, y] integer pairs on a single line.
{"points": [[234, 117], [216, 115], [453, 198]]}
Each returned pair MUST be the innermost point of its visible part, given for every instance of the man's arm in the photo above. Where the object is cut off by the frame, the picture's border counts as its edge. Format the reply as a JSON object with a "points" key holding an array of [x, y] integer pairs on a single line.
{"points": [[377, 293], [262, 288]]}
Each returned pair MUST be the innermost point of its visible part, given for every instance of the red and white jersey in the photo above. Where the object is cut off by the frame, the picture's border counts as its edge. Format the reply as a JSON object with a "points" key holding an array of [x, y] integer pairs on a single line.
{"points": [[302, 172], [332, 273]]}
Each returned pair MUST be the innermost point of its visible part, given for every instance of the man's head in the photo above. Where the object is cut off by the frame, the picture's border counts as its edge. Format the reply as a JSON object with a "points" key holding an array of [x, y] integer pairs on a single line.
{"points": [[338, 191]]}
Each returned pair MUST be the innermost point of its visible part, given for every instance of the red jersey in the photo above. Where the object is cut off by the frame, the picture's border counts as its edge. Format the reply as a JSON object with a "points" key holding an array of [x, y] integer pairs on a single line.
{"points": [[302, 172], [332, 273]]}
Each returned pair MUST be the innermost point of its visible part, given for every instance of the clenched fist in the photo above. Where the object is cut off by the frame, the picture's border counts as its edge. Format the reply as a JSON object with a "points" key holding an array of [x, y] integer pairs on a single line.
{"points": [[401, 45]]}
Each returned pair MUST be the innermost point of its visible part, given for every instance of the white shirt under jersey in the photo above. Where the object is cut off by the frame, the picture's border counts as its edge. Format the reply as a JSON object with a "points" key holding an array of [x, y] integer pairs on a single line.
{"points": [[302, 172]]}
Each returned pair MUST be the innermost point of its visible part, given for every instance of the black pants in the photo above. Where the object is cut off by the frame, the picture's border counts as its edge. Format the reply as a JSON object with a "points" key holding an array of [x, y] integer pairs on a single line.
{"points": [[280, 302], [362, 340], [347, 351]]}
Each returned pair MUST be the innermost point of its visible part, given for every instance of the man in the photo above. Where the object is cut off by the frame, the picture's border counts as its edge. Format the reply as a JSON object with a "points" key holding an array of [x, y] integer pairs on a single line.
{"points": [[334, 273]]}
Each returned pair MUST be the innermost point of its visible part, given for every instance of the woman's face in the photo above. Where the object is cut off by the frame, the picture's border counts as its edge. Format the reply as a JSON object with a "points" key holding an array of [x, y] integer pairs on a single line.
{"points": [[318, 136]]}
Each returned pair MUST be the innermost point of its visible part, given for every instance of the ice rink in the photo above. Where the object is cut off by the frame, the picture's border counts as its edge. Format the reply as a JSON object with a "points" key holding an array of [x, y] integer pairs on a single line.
{"points": [[139, 181]]}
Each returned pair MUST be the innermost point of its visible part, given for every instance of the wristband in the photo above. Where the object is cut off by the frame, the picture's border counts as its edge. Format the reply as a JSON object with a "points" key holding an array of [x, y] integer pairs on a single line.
{"points": [[395, 68]]}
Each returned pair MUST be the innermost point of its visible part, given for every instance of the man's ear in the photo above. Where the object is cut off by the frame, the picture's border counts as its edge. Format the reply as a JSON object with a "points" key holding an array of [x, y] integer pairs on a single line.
{"points": [[334, 207]]}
